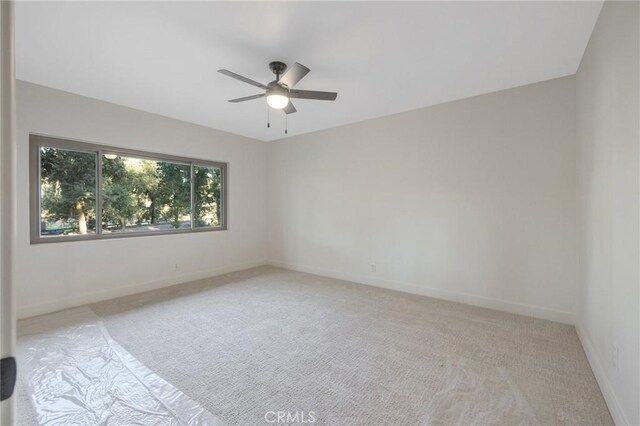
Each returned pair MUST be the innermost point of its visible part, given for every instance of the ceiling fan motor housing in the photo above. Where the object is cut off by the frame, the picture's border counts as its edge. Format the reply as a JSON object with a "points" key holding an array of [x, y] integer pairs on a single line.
{"points": [[274, 88]]}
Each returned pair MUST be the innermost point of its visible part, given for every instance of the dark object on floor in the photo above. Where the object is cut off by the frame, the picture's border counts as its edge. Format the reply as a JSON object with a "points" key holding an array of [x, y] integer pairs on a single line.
{"points": [[7, 377]]}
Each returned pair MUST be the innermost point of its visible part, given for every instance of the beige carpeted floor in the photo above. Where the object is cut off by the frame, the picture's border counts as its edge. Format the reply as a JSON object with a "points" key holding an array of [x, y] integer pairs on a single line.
{"points": [[267, 339]]}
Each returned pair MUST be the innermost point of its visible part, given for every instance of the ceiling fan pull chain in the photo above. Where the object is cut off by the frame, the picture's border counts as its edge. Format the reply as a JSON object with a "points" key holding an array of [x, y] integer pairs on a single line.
{"points": [[286, 126], [268, 121]]}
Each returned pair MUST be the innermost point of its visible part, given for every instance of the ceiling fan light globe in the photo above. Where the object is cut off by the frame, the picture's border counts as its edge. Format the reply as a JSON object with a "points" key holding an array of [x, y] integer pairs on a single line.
{"points": [[277, 101]]}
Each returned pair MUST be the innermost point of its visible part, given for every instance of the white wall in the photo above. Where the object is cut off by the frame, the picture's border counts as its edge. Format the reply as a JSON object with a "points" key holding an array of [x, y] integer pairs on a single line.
{"points": [[54, 276], [608, 129], [473, 200]]}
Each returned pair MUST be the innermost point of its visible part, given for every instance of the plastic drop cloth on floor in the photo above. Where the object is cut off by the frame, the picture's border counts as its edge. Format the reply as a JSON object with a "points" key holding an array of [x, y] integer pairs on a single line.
{"points": [[76, 374], [471, 398]]}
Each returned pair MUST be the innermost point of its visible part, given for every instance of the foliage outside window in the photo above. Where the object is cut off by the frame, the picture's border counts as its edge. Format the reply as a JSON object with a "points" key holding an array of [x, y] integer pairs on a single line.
{"points": [[68, 191], [138, 193], [208, 181]]}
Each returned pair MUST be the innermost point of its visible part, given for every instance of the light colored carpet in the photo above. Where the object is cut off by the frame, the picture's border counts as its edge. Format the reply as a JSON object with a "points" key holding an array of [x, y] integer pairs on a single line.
{"points": [[268, 339]]}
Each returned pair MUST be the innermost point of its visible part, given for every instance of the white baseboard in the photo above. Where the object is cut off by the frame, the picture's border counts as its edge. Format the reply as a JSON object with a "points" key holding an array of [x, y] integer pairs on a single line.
{"points": [[112, 293], [468, 299], [610, 398]]}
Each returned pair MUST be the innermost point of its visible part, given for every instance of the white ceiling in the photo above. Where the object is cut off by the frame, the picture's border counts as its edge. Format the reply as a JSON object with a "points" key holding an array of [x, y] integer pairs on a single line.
{"points": [[381, 57]]}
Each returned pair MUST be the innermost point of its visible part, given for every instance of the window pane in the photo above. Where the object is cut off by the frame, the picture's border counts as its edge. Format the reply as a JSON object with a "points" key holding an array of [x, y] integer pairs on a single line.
{"points": [[140, 195], [67, 192], [208, 208]]}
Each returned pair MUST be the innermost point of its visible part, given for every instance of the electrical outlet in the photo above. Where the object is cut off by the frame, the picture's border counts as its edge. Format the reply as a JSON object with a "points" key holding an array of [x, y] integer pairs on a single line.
{"points": [[615, 357], [373, 267]]}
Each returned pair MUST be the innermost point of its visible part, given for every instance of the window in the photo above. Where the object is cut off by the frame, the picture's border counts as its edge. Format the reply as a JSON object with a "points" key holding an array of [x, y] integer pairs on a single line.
{"points": [[207, 196], [85, 191], [140, 195]]}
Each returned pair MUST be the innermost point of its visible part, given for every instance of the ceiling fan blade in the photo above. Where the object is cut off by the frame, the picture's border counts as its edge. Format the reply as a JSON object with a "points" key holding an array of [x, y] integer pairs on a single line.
{"points": [[293, 75], [312, 94], [241, 78], [289, 109], [247, 98]]}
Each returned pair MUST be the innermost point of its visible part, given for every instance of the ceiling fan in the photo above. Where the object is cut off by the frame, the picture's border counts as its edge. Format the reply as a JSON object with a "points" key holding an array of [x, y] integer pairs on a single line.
{"points": [[280, 91]]}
